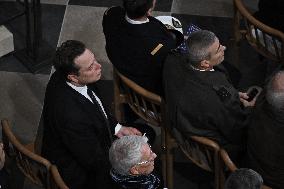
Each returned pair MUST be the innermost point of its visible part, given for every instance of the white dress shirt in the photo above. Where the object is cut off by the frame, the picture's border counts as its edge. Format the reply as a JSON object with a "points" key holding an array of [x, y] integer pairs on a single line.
{"points": [[135, 21], [197, 69]]}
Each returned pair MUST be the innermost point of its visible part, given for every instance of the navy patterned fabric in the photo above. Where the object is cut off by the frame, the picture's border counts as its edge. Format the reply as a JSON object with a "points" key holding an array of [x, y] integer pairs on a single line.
{"points": [[183, 47], [135, 182]]}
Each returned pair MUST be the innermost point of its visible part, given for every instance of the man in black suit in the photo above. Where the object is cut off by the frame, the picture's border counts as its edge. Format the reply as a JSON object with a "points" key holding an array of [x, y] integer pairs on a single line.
{"points": [[265, 134], [78, 131], [200, 98], [137, 43]]}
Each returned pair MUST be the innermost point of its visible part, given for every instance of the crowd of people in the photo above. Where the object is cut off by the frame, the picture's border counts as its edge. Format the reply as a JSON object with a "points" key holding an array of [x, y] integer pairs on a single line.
{"points": [[92, 150]]}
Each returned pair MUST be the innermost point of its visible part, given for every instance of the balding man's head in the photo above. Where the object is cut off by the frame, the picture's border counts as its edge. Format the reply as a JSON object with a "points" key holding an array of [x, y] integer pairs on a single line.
{"points": [[275, 91]]}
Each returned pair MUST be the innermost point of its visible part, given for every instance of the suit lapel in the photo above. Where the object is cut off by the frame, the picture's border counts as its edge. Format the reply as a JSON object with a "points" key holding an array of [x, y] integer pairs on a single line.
{"points": [[91, 109]]}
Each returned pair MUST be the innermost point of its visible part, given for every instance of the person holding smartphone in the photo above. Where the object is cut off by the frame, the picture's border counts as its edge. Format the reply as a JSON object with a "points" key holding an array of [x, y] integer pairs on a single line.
{"points": [[265, 141], [200, 98]]}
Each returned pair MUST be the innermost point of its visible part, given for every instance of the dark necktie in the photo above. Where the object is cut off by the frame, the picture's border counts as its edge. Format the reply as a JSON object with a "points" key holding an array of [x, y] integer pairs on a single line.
{"points": [[92, 96]]}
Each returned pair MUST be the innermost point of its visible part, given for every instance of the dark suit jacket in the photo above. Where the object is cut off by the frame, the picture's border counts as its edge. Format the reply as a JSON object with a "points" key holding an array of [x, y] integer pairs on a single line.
{"points": [[266, 143], [129, 48], [203, 103], [76, 136]]}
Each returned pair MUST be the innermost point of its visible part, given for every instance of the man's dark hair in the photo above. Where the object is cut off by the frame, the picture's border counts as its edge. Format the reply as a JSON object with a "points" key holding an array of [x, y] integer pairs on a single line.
{"points": [[137, 8], [244, 179], [198, 44], [65, 56]]}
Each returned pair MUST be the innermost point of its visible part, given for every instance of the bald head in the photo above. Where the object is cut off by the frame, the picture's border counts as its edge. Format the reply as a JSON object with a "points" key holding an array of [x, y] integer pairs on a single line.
{"points": [[278, 82], [244, 178], [275, 91]]}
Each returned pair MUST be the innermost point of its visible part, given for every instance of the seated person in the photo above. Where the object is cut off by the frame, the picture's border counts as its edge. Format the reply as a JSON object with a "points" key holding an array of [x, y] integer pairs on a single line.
{"points": [[244, 179], [78, 130], [137, 43], [265, 134], [200, 98], [132, 163]]}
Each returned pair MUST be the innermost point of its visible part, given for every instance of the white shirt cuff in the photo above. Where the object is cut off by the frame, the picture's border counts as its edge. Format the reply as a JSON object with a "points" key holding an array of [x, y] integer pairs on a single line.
{"points": [[117, 128]]}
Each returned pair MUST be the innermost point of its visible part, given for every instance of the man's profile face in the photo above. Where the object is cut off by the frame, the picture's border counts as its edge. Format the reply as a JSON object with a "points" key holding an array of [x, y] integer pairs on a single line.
{"points": [[216, 53], [89, 68]]}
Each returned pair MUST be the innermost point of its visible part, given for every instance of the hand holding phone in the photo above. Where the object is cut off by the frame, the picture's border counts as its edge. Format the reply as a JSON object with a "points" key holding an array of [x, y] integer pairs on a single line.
{"points": [[252, 94]]}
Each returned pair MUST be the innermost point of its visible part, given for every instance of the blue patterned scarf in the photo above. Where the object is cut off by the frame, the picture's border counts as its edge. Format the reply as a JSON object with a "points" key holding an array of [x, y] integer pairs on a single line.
{"points": [[135, 182]]}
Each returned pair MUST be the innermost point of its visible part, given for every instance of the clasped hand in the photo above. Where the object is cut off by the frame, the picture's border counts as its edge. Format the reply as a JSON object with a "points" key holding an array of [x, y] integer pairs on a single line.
{"points": [[125, 131], [244, 99]]}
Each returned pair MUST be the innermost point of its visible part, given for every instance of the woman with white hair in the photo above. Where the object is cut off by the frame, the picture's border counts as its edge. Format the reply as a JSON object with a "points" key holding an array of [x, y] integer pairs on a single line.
{"points": [[132, 163]]}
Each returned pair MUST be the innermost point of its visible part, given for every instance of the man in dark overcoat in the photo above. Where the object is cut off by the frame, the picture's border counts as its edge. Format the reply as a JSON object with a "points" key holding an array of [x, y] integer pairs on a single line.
{"points": [[265, 152], [200, 98], [78, 130], [137, 43]]}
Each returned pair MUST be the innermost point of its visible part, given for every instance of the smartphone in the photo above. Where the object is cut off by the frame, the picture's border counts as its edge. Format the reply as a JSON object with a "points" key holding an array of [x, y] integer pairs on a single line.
{"points": [[252, 94]]}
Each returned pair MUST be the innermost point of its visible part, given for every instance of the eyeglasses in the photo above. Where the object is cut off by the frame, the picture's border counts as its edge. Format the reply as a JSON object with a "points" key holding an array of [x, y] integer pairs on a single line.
{"points": [[148, 161], [221, 47], [144, 162]]}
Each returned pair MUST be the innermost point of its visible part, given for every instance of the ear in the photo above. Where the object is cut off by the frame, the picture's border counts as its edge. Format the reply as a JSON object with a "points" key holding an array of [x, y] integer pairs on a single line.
{"points": [[134, 171], [149, 12], [205, 64], [72, 78]]}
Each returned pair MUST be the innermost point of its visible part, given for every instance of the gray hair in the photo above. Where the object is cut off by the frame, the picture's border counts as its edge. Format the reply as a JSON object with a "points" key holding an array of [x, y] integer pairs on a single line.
{"points": [[244, 178], [198, 43], [125, 152], [275, 91]]}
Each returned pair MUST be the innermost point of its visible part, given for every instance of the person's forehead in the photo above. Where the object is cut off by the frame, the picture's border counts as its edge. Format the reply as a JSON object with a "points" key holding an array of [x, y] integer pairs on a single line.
{"points": [[145, 150], [85, 58]]}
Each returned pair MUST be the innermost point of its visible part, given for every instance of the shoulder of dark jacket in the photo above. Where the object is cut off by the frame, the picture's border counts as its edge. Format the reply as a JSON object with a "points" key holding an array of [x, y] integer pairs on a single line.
{"points": [[153, 19], [114, 11], [174, 57], [175, 54], [57, 78]]}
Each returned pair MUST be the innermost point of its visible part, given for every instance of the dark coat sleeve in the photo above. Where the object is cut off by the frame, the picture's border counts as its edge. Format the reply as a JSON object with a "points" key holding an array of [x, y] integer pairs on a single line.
{"points": [[86, 139], [208, 115]]}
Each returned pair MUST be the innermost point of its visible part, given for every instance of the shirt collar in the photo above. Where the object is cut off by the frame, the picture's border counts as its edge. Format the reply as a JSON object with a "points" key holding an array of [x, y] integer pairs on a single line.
{"points": [[197, 69], [135, 21], [81, 90]]}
